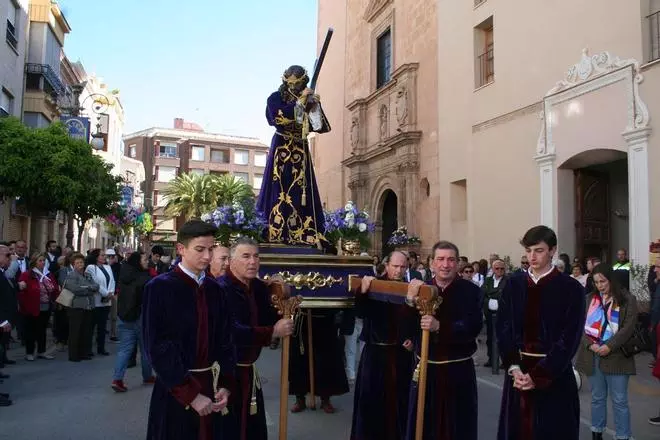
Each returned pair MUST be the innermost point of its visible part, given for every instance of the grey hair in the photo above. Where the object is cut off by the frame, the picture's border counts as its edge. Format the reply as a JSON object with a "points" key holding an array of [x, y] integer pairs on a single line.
{"points": [[241, 241], [391, 254]]}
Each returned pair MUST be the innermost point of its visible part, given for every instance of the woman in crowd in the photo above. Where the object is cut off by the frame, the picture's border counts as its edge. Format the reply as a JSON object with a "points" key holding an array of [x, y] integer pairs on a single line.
{"points": [[102, 274], [610, 322], [576, 272], [84, 288], [134, 274], [35, 303]]}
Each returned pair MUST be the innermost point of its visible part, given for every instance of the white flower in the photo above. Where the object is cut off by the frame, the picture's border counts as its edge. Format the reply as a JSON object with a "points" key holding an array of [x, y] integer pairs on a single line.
{"points": [[349, 206], [362, 227], [206, 217]]}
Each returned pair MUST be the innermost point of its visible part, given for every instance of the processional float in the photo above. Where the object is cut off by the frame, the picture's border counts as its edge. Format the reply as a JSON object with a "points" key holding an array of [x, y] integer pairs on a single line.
{"points": [[314, 280]]}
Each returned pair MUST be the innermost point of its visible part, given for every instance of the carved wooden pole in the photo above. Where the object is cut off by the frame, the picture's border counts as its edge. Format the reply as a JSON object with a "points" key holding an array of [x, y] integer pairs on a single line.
{"points": [[287, 306], [310, 358], [426, 306]]}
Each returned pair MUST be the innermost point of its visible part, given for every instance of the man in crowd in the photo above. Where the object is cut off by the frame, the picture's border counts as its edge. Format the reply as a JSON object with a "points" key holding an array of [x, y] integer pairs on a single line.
{"points": [[492, 290], [622, 268], [8, 313], [382, 387], [411, 272], [255, 323], [539, 326], [451, 397], [187, 335], [156, 266], [51, 258], [219, 262]]}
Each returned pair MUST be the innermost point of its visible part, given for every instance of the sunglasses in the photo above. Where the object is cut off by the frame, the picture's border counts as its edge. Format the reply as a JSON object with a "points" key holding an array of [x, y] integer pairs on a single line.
{"points": [[468, 271]]}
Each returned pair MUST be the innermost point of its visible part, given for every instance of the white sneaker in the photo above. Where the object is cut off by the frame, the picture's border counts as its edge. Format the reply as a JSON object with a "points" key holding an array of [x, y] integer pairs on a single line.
{"points": [[29, 357], [46, 356]]}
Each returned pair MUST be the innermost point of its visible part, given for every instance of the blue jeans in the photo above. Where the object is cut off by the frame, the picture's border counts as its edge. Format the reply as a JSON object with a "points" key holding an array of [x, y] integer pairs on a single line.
{"points": [[130, 333], [617, 385]]}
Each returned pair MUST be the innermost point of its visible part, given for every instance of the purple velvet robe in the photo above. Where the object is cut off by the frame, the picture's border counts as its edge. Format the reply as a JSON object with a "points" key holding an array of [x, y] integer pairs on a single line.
{"points": [[382, 386], [186, 326], [253, 320], [329, 373], [289, 196], [544, 318], [450, 411]]}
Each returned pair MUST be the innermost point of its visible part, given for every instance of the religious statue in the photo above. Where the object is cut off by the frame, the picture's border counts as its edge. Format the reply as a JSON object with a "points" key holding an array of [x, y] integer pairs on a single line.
{"points": [[355, 133], [402, 106], [384, 113], [289, 196]]}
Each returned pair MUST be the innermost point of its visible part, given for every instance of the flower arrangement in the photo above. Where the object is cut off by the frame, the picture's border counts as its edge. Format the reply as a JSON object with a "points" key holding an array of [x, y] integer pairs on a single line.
{"points": [[122, 218], [237, 219], [349, 224], [400, 237], [638, 282]]}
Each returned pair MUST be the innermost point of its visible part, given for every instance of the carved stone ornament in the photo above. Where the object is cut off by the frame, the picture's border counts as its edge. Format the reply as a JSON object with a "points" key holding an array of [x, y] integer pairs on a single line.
{"points": [[383, 116], [402, 106], [355, 132], [595, 69]]}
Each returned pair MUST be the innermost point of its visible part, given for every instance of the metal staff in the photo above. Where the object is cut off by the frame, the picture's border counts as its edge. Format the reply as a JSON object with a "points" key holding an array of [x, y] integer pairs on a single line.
{"points": [[287, 307]]}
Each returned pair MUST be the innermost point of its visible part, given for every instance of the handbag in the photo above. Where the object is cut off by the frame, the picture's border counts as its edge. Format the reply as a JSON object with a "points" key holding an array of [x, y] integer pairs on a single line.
{"points": [[65, 298], [639, 341]]}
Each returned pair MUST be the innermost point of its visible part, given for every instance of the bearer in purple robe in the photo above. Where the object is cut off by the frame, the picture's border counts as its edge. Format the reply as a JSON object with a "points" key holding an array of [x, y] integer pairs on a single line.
{"points": [[540, 323], [289, 197], [255, 323], [450, 412], [188, 338], [382, 387], [329, 372]]}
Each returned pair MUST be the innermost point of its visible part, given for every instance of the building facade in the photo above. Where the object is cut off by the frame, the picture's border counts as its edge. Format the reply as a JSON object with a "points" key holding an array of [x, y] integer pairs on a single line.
{"points": [[168, 152], [378, 88], [542, 114]]}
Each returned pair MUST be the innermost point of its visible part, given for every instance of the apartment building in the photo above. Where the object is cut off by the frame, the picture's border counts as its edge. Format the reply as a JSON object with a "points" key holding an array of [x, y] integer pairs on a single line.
{"points": [[168, 152]]}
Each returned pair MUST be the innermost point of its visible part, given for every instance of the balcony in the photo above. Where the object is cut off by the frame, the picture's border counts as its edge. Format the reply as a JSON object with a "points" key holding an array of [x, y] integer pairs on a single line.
{"points": [[48, 74], [654, 28]]}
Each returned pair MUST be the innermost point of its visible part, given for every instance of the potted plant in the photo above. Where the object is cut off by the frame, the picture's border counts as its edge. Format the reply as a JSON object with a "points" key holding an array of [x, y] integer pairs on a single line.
{"points": [[348, 228]]}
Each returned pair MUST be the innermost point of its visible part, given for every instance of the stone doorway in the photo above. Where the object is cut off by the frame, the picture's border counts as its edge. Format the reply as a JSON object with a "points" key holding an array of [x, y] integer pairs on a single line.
{"points": [[389, 219]]}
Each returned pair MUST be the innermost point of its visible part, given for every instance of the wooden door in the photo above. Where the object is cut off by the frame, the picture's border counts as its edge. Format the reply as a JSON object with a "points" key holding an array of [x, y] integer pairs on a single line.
{"points": [[592, 215]]}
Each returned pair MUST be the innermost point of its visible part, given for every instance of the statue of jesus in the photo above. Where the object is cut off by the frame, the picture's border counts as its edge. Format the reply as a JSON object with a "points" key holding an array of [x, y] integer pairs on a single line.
{"points": [[289, 196]]}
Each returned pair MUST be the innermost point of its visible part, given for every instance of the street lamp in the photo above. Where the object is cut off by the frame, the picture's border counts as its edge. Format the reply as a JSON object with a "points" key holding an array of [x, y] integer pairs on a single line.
{"points": [[97, 137]]}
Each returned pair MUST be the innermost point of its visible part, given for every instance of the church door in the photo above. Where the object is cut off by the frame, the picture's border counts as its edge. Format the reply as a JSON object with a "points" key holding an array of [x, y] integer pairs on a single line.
{"points": [[592, 203], [389, 219]]}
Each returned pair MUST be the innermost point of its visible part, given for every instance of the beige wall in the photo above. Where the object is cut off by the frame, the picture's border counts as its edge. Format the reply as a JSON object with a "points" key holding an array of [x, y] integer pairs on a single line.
{"points": [[490, 134]]}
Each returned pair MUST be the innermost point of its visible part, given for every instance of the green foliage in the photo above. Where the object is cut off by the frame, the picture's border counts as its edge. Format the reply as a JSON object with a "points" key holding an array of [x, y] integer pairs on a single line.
{"points": [[191, 195], [49, 170]]}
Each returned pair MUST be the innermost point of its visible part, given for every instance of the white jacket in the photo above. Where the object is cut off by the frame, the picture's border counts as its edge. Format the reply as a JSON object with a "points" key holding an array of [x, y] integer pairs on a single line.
{"points": [[106, 288]]}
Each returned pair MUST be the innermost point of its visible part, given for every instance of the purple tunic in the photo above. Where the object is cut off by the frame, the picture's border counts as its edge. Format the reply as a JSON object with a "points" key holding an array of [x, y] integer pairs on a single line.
{"points": [[450, 411], [545, 318], [289, 196]]}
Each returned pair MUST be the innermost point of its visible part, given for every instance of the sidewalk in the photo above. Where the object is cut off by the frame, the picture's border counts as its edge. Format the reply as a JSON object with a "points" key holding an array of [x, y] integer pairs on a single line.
{"points": [[643, 395]]}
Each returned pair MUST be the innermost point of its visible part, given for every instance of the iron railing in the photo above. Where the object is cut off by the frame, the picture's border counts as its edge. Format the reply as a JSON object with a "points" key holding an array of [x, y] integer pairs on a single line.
{"points": [[49, 75], [654, 28], [485, 67]]}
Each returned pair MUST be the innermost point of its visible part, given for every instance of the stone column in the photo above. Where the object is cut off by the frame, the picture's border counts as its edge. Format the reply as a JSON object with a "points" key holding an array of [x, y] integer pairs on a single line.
{"points": [[548, 181], [638, 194]]}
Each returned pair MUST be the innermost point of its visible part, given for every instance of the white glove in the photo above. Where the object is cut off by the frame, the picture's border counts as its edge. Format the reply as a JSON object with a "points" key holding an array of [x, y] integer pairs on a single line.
{"points": [[492, 305]]}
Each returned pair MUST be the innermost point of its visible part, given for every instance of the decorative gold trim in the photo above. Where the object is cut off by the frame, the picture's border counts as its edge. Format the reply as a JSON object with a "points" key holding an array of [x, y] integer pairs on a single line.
{"points": [[311, 280]]}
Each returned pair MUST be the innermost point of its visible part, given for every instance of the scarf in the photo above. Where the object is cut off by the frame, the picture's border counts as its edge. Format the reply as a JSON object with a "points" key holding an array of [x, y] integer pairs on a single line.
{"points": [[602, 320], [46, 286]]}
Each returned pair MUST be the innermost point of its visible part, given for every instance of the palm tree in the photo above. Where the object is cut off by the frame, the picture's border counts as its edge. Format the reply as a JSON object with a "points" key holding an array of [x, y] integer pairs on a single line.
{"points": [[191, 195], [232, 190]]}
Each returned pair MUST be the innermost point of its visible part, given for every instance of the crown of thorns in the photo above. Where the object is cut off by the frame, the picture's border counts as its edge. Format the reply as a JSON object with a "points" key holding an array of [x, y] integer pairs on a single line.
{"points": [[292, 79]]}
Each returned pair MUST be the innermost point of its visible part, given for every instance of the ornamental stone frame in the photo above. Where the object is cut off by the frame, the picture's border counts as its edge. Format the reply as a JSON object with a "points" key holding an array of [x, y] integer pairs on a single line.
{"points": [[590, 74], [386, 159]]}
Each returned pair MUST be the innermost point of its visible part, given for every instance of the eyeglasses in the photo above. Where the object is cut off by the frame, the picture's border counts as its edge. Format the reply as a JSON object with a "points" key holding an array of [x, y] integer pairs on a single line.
{"points": [[524, 263], [468, 271]]}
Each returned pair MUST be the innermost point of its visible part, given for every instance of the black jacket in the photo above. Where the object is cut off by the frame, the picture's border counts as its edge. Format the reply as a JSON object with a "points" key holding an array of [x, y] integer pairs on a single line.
{"points": [[8, 301], [131, 286]]}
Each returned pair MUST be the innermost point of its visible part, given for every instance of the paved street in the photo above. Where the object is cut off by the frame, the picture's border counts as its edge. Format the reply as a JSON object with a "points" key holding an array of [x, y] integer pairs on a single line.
{"points": [[59, 400]]}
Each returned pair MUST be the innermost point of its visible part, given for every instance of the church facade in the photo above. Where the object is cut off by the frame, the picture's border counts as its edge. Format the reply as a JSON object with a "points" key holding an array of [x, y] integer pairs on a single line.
{"points": [[499, 115]]}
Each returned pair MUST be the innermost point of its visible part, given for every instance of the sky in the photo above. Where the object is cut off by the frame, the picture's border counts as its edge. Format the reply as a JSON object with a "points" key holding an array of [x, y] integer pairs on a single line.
{"points": [[213, 62]]}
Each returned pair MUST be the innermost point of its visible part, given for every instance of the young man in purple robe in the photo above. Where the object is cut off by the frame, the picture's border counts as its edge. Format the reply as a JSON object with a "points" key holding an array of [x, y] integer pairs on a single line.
{"points": [[382, 387], [540, 323], [289, 196], [188, 338], [255, 324], [450, 412]]}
